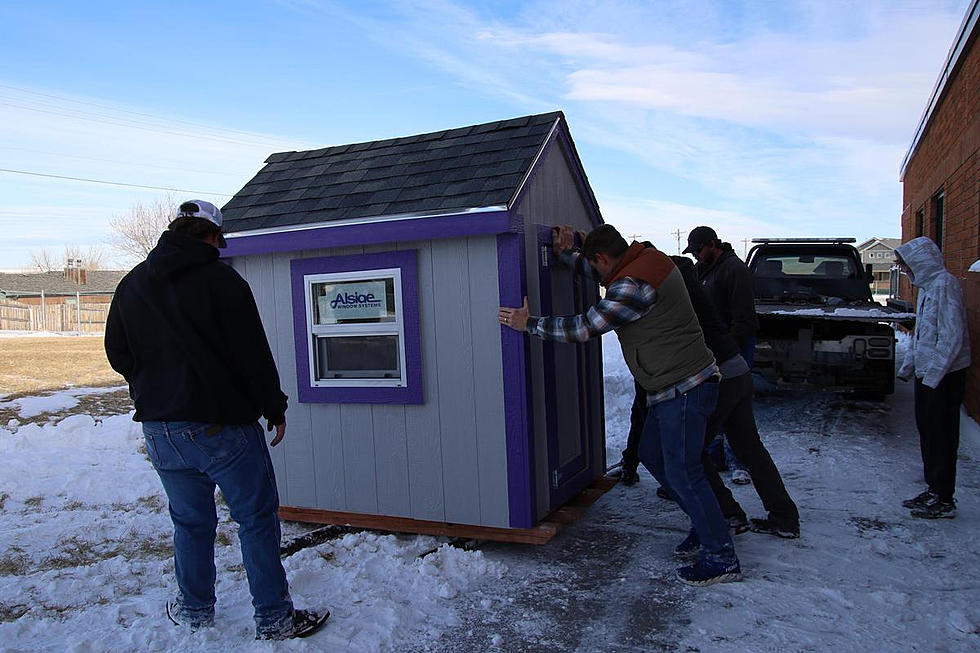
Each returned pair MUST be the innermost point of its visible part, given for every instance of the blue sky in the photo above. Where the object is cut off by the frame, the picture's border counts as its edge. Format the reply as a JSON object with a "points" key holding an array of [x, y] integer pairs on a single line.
{"points": [[760, 118]]}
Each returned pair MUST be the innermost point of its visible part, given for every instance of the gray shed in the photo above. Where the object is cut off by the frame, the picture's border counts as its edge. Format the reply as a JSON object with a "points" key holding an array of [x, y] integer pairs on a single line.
{"points": [[378, 269]]}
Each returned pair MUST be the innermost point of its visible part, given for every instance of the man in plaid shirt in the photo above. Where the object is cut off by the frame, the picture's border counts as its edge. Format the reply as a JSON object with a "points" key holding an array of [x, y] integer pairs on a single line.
{"points": [[648, 306]]}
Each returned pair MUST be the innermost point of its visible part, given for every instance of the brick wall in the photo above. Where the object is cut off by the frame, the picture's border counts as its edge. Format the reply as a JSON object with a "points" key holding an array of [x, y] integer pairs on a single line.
{"points": [[947, 160]]}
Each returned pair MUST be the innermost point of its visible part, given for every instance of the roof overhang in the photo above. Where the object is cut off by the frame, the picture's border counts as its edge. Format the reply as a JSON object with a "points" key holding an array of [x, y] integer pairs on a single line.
{"points": [[370, 231], [963, 40]]}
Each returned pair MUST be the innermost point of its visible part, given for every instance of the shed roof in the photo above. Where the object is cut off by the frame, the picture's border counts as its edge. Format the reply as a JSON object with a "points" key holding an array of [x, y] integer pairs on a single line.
{"points": [[440, 172], [18, 284]]}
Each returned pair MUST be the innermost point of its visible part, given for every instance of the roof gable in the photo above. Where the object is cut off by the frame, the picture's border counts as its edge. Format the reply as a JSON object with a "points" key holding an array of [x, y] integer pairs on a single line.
{"points": [[440, 172]]}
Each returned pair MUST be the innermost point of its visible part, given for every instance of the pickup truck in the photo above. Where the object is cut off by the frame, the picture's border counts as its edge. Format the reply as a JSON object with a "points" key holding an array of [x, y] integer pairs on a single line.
{"points": [[819, 326]]}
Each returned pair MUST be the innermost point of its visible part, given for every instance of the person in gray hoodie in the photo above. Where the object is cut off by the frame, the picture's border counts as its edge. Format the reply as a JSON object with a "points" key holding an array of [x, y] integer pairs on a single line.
{"points": [[937, 357]]}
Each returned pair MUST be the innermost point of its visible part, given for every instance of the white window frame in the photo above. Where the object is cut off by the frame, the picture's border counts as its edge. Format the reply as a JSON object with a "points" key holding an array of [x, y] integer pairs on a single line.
{"points": [[375, 329]]}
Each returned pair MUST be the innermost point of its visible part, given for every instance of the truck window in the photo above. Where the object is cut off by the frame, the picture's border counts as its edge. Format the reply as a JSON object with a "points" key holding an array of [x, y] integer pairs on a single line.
{"points": [[810, 266]]}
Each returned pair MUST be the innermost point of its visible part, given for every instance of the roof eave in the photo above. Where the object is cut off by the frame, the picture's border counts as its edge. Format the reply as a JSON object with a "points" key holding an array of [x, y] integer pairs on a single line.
{"points": [[963, 37]]}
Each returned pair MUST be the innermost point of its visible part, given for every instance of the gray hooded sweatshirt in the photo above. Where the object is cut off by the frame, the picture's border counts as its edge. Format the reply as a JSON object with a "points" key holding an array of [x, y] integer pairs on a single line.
{"points": [[941, 343]]}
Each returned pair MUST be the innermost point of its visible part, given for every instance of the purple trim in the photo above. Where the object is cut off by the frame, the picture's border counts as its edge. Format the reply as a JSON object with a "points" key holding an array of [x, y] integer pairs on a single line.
{"points": [[512, 280], [406, 261], [371, 233]]}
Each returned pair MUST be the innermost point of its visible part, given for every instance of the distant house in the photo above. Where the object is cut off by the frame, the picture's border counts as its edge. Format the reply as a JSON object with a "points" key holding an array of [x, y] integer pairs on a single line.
{"points": [[378, 269], [879, 252], [941, 177], [58, 287]]}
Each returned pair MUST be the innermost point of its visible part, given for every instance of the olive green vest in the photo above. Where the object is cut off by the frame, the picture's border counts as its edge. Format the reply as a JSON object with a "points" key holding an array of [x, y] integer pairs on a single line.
{"points": [[665, 346]]}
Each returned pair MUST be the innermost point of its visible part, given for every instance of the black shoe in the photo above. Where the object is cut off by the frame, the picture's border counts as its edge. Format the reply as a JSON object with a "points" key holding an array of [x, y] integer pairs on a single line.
{"points": [[770, 527], [920, 500], [708, 572], [629, 476], [304, 624], [737, 524], [664, 494], [936, 509]]}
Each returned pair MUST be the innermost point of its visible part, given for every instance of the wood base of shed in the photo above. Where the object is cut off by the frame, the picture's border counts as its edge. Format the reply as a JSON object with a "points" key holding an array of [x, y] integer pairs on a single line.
{"points": [[540, 534]]}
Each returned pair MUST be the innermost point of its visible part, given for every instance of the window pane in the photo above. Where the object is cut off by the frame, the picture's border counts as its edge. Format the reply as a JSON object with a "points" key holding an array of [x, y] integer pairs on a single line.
{"points": [[364, 301], [828, 267], [361, 357]]}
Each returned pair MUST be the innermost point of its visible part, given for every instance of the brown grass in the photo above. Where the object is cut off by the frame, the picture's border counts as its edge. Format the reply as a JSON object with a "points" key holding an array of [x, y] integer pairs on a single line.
{"points": [[30, 365]]}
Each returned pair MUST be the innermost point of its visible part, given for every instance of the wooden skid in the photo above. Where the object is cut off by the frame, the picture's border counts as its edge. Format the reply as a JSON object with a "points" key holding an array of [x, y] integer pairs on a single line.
{"points": [[541, 534]]}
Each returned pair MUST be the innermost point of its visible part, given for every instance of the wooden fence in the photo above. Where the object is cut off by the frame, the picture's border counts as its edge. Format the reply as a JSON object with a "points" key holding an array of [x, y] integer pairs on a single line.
{"points": [[72, 317]]}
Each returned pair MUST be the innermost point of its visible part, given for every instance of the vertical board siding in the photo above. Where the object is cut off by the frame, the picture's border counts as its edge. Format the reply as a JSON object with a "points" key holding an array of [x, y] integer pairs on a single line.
{"points": [[444, 460], [488, 395], [301, 479], [422, 427], [457, 418]]}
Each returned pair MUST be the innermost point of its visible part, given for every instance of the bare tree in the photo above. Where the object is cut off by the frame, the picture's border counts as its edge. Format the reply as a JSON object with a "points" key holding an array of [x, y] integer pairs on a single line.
{"points": [[44, 260], [91, 258], [135, 233]]}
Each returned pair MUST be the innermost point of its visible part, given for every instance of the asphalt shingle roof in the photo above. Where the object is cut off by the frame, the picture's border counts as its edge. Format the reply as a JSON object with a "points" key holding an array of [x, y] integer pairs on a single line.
{"points": [[55, 283], [456, 169]]}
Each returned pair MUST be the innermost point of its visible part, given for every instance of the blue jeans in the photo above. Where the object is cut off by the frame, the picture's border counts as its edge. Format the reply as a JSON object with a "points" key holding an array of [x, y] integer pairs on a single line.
{"points": [[673, 438], [191, 459]]}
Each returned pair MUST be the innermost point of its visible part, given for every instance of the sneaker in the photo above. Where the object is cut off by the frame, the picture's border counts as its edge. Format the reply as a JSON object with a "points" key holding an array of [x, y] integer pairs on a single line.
{"points": [[708, 572], [770, 527], [741, 477], [689, 547], [180, 617], [920, 500], [664, 494], [737, 524], [936, 509], [304, 624]]}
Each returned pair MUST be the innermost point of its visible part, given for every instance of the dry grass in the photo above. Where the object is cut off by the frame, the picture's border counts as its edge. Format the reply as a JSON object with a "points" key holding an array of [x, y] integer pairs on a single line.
{"points": [[30, 365]]}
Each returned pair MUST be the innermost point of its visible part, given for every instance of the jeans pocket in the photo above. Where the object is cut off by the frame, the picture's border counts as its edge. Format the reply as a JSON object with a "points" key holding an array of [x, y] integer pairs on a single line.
{"points": [[230, 441], [151, 449], [707, 398]]}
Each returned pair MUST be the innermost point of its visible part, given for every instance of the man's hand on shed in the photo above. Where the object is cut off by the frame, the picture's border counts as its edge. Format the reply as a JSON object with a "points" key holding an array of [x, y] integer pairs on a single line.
{"points": [[280, 432], [515, 318], [563, 239]]}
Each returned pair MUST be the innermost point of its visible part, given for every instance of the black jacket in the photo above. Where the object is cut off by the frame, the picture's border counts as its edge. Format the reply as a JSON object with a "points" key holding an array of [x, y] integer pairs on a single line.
{"points": [[184, 330], [716, 334], [729, 285]]}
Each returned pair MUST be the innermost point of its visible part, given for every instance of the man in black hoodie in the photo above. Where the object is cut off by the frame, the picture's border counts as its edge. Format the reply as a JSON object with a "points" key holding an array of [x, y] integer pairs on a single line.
{"points": [[184, 331]]}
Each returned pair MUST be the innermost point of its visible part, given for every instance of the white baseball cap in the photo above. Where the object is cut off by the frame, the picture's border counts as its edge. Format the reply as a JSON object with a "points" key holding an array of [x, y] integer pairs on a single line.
{"points": [[205, 210]]}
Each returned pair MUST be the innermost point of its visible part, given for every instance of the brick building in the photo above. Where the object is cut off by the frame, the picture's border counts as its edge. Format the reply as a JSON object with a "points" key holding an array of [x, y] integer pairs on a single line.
{"points": [[941, 178]]}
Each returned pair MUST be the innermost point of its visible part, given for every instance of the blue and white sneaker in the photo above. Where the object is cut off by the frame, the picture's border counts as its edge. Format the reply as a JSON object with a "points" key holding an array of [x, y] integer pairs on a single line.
{"points": [[689, 547], [709, 570], [182, 617]]}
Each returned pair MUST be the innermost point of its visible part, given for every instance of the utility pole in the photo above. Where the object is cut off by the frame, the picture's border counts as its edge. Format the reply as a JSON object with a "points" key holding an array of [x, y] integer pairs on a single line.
{"points": [[745, 247], [678, 234]]}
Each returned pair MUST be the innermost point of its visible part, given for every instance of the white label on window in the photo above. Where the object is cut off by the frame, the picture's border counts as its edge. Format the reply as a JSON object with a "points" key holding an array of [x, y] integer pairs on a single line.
{"points": [[356, 300]]}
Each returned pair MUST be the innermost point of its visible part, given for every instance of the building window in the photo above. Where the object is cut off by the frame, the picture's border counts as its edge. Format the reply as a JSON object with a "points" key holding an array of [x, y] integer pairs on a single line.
{"points": [[357, 329], [920, 222], [938, 211]]}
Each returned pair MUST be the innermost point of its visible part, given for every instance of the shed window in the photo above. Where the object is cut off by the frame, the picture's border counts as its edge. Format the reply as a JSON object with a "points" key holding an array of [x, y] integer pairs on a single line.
{"points": [[356, 332], [356, 327]]}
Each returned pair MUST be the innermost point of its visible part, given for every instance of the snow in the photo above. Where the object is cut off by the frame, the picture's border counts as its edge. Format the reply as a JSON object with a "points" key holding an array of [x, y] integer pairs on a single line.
{"points": [[85, 557], [847, 312], [28, 407]]}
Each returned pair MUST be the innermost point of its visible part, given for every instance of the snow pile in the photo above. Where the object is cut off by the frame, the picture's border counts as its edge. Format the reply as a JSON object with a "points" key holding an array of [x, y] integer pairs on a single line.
{"points": [[86, 560]]}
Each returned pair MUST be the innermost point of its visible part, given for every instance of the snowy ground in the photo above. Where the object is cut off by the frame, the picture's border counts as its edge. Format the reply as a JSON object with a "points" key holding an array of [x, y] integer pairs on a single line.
{"points": [[85, 556]]}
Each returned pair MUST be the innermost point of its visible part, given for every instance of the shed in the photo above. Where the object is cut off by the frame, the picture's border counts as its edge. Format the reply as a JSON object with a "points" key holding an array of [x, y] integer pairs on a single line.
{"points": [[377, 269]]}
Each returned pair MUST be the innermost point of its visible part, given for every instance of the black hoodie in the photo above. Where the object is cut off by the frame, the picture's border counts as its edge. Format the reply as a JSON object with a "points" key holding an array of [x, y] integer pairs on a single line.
{"points": [[184, 331], [728, 283]]}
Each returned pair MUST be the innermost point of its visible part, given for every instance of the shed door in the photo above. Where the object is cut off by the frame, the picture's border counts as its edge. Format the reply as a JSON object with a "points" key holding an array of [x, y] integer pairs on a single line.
{"points": [[568, 387]]}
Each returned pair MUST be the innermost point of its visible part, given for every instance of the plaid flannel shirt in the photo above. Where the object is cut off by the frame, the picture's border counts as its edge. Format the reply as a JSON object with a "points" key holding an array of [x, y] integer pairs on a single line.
{"points": [[626, 301]]}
